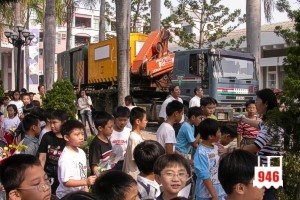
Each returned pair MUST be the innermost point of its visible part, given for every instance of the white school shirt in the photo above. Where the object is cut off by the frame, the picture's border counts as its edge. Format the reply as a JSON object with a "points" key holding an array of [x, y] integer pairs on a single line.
{"points": [[119, 142], [10, 123], [19, 105], [130, 166], [166, 135], [71, 165], [162, 112], [195, 101]]}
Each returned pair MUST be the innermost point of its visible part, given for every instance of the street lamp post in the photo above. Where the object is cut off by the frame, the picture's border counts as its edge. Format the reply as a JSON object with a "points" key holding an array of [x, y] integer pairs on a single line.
{"points": [[22, 38]]}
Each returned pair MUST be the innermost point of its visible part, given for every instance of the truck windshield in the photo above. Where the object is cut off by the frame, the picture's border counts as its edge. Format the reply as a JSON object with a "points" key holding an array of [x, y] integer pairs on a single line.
{"points": [[236, 68]]}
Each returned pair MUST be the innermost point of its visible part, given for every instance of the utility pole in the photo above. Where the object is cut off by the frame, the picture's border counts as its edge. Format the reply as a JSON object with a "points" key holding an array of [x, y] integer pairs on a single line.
{"points": [[155, 15]]}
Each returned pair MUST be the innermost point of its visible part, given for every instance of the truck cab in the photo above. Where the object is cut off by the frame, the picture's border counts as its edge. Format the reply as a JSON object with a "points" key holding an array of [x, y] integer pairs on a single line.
{"points": [[228, 76]]}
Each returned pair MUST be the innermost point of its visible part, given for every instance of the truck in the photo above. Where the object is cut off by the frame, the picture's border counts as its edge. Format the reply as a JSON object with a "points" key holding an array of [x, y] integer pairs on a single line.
{"points": [[94, 67], [226, 75]]}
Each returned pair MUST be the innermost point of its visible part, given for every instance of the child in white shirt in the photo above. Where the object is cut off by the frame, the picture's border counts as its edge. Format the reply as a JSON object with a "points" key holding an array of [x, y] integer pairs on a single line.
{"points": [[72, 165]]}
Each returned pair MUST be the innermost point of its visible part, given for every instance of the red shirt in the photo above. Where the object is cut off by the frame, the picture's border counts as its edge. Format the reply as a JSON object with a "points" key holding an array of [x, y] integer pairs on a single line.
{"points": [[247, 131]]}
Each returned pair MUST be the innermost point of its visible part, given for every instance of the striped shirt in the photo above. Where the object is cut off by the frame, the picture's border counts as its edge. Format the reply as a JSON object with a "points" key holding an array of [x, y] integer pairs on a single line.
{"points": [[247, 131], [270, 142], [147, 189]]}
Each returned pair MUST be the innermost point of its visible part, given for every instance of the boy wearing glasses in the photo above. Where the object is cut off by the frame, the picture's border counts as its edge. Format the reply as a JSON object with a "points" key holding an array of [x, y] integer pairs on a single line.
{"points": [[172, 171], [23, 178]]}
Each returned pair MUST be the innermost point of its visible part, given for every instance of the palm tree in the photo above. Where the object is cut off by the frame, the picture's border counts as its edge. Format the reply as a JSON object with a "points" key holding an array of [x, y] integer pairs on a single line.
{"points": [[70, 8], [253, 27], [49, 43], [123, 31], [102, 21], [155, 15]]}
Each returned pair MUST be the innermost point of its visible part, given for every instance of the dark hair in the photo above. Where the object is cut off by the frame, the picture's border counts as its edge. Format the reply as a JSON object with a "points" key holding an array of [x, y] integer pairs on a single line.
{"points": [[3, 99], [113, 185], [121, 111], [129, 99], [197, 89], [60, 115], [172, 88], [174, 106], [79, 195], [251, 101], [48, 113], [30, 120], [227, 129], [146, 153], [24, 94], [36, 103], [13, 94], [67, 127], [136, 113], [28, 108], [23, 90], [268, 96], [236, 167], [12, 170], [101, 119], [14, 107], [208, 100], [170, 160], [208, 127], [195, 111], [39, 87], [40, 112], [179, 198]]}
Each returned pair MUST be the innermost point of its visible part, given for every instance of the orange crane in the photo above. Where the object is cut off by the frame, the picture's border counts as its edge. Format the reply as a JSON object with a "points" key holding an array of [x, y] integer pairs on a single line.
{"points": [[154, 59]]}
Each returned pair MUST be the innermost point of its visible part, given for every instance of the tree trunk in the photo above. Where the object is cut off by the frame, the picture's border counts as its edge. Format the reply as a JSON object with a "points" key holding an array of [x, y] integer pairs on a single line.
{"points": [[27, 50], [201, 38], [253, 28], [49, 43], [17, 21], [69, 24], [155, 15], [123, 27], [102, 21]]}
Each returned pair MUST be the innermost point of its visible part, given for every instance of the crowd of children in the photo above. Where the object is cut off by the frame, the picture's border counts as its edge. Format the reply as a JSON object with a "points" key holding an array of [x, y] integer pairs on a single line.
{"points": [[197, 163]]}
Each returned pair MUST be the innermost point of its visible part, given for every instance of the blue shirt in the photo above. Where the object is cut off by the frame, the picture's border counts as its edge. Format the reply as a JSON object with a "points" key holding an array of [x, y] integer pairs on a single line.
{"points": [[184, 138], [32, 144], [206, 162]]}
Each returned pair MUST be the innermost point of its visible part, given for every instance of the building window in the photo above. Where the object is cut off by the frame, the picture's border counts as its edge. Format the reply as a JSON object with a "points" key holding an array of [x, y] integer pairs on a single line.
{"points": [[80, 40], [113, 26], [96, 24], [96, 39], [58, 39], [83, 22], [41, 51], [63, 36], [271, 82]]}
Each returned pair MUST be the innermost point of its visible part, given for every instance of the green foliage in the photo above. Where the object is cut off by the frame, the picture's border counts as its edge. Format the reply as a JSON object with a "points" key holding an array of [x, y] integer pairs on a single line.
{"points": [[289, 118], [85, 147], [214, 17], [1, 88], [61, 96]]}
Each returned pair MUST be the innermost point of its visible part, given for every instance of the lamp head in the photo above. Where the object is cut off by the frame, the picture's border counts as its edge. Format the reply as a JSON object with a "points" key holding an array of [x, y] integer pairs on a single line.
{"points": [[19, 27], [8, 33], [25, 33], [14, 36]]}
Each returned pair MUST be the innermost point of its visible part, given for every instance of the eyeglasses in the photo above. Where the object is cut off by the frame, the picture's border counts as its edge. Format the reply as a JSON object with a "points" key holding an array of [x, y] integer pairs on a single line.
{"points": [[42, 187], [171, 175]]}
